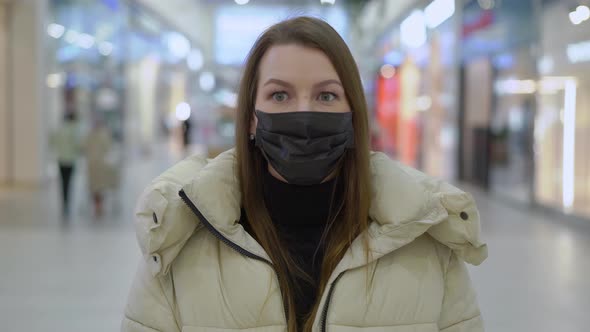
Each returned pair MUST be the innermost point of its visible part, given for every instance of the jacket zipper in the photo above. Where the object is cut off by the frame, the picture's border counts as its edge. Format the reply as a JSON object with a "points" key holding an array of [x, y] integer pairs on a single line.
{"points": [[227, 241], [328, 299]]}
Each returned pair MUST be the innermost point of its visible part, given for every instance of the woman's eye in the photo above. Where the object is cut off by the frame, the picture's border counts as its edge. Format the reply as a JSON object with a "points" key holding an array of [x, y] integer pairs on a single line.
{"points": [[279, 96], [327, 96]]}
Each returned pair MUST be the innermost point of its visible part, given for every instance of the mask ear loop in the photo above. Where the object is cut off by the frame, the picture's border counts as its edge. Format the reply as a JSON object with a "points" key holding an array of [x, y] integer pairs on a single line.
{"points": [[252, 139], [338, 165], [252, 136]]}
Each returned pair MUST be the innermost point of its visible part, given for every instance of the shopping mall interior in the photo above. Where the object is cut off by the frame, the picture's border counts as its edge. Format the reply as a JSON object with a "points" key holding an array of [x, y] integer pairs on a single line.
{"points": [[492, 96]]}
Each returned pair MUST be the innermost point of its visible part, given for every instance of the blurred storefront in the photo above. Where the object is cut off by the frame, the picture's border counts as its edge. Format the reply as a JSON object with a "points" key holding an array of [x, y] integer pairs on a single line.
{"points": [[115, 62], [491, 92], [124, 65], [152, 71], [486, 91], [413, 83], [130, 62], [498, 40], [525, 123], [562, 121]]}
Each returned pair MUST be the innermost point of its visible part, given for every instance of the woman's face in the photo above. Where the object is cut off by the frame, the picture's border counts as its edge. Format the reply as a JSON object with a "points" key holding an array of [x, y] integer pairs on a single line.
{"points": [[295, 78]]}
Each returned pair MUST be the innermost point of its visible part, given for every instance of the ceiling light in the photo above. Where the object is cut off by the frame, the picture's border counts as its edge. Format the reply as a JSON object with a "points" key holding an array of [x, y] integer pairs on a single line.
{"points": [[72, 36], [583, 12], [194, 60], [85, 41], [578, 52], [387, 71], [183, 111], [486, 4], [207, 81], [55, 30], [439, 11], [413, 30], [178, 45], [105, 48]]}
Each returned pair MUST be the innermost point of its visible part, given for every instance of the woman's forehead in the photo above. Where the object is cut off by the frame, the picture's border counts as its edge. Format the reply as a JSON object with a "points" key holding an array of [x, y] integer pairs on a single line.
{"points": [[295, 62]]}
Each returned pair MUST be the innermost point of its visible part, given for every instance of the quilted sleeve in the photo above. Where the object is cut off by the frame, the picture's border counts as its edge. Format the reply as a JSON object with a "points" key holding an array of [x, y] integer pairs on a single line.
{"points": [[460, 311], [148, 308]]}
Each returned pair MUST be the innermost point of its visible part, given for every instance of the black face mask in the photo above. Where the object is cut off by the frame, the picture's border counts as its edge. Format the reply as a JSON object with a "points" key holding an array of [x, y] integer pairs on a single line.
{"points": [[304, 147]]}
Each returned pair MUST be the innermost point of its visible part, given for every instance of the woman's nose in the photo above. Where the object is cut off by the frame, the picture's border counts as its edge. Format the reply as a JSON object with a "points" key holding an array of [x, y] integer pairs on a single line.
{"points": [[304, 104]]}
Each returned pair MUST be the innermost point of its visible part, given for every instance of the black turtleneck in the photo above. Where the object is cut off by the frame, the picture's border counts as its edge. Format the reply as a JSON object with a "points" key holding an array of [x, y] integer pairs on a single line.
{"points": [[300, 214]]}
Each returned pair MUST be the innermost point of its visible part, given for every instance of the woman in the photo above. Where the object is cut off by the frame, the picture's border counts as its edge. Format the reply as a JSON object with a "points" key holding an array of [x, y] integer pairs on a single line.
{"points": [[301, 228], [65, 141], [101, 176]]}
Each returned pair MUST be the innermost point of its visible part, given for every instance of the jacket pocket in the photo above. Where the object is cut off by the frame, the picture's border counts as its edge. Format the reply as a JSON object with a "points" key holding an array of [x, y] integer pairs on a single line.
{"points": [[271, 328]]}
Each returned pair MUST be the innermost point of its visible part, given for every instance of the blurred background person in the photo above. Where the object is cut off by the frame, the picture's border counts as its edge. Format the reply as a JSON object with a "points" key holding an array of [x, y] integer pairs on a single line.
{"points": [[186, 134], [65, 142], [101, 173]]}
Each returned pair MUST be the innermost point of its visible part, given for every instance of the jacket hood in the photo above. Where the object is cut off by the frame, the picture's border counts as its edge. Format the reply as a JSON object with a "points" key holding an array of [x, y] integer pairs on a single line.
{"points": [[405, 205]]}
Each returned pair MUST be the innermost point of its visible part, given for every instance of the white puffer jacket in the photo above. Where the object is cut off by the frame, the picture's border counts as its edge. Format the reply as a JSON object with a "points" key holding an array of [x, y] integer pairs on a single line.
{"points": [[201, 271]]}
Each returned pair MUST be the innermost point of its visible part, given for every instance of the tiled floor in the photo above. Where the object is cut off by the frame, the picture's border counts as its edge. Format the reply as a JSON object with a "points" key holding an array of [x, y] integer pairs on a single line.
{"points": [[75, 276], [537, 276]]}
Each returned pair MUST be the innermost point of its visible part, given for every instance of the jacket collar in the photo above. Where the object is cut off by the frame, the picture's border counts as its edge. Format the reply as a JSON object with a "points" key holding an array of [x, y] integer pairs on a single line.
{"points": [[405, 205]]}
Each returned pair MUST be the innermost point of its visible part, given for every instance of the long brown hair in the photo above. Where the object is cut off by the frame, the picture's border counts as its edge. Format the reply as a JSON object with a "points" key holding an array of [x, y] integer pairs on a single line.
{"points": [[351, 218]]}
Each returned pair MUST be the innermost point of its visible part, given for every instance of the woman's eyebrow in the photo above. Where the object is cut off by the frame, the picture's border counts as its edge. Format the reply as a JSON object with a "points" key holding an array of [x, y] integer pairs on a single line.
{"points": [[289, 85], [279, 82], [327, 82]]}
